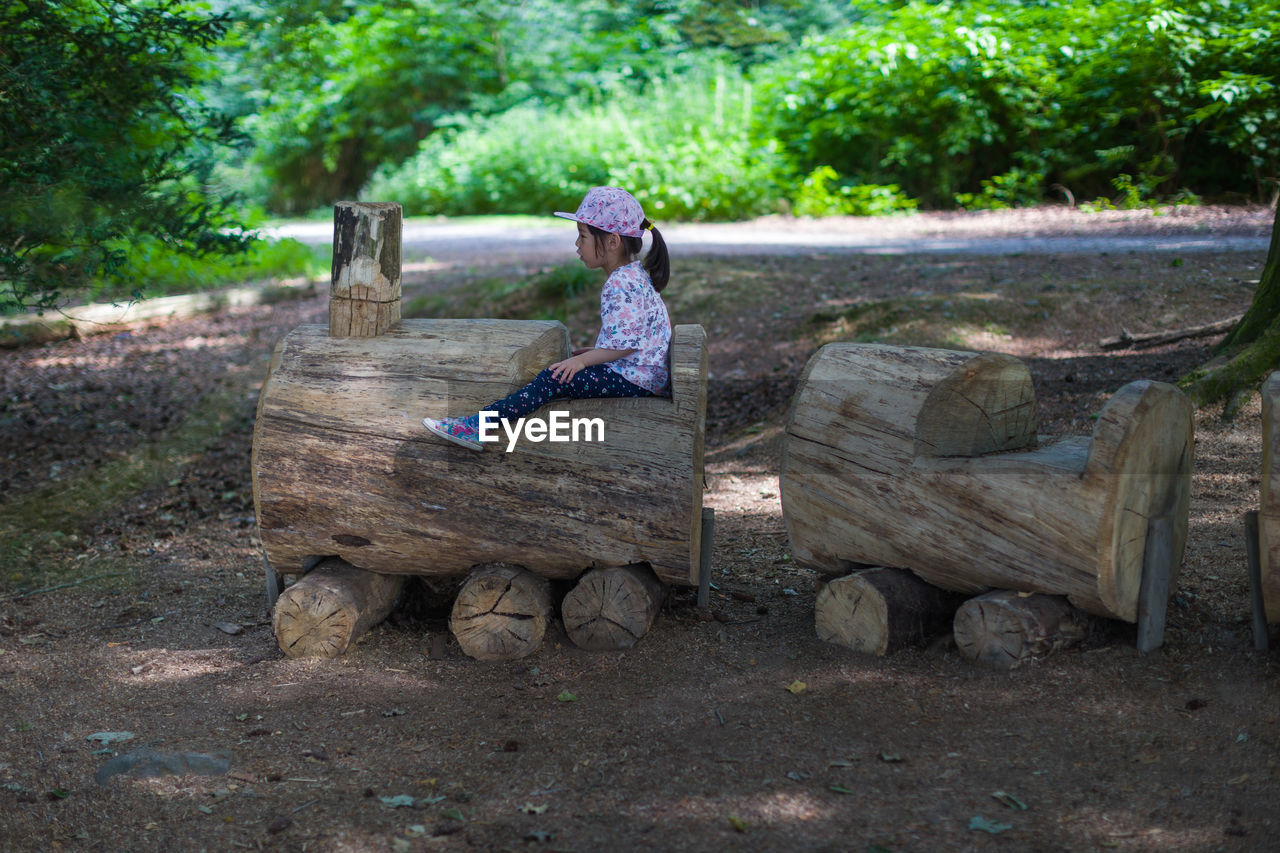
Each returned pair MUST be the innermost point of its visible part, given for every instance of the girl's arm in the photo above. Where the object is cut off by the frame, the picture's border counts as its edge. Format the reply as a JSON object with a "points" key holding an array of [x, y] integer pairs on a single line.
{"points": [[564, 371]]}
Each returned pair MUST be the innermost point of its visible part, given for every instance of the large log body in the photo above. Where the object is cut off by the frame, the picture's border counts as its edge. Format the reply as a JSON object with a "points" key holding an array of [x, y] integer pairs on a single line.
{"points": [[927, 460], [1269, 510], [343, 467]]}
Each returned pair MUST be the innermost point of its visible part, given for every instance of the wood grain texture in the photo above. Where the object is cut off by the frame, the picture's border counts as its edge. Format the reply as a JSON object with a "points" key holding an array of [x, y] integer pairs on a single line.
{"points": [[501, 612], [881, 610], [342, 465], [612, 607], [1005, 629], [330, 608], [860, 485], [1269, 508], [364, 291]]}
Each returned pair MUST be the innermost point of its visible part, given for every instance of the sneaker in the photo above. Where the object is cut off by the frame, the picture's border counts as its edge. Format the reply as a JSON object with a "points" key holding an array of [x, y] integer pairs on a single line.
{"points": [[458, 430]]}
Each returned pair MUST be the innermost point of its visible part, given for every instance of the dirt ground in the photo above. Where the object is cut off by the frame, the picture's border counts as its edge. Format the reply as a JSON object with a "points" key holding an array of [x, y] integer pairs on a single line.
{"points": [[132, 611]]}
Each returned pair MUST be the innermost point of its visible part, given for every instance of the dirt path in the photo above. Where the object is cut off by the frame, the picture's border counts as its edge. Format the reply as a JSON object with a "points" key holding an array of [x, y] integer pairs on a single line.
{"points": [[127, 536], [1043, 231]]}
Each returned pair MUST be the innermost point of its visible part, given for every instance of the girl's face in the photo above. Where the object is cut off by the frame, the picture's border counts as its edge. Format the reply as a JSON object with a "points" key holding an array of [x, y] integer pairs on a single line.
{"points": [[593, 258]]}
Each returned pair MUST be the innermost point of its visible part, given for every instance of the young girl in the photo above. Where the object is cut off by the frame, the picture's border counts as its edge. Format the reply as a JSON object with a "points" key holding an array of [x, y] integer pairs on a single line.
{"points": [[630, 355]]}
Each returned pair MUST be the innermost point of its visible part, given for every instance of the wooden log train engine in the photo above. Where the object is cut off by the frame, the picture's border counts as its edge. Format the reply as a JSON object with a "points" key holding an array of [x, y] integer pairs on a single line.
{"points": [[353, 494]]}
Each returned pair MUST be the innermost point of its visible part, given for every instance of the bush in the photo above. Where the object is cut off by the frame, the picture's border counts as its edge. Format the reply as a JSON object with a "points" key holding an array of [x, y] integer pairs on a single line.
{"points": [[151, 268], [823, 194], [103, 140], [681, 147], [990, 102]]}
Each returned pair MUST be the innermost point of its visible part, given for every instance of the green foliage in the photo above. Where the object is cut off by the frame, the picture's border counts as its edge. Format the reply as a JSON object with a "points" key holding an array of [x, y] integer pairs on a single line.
{"points": [[103, 143], [118, 116], [822, 194], [356, 86], [492, 107], [933, 98], [153, 268], [1014, 188], [990, 102], [333, 90], [681, 147]]}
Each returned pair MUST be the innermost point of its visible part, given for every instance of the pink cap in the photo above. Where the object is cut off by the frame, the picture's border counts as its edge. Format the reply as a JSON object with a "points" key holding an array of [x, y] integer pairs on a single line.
{"points": [[610, 209]]}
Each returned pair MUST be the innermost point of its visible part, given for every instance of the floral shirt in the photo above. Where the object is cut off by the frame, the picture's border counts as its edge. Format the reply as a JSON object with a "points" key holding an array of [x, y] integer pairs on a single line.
{"points": [[633, 316]]}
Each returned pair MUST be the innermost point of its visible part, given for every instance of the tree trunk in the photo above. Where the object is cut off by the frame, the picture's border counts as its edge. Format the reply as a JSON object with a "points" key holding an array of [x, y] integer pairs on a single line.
{"points": [[501, 613], [881, 610], [880, 467], [612, 608], [1252, 349], [364, 295], [1005, 629], [331, 607]]}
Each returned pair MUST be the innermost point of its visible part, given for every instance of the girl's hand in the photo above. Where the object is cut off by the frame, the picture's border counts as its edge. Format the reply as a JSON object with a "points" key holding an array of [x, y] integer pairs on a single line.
{"points": [[564, 371]]}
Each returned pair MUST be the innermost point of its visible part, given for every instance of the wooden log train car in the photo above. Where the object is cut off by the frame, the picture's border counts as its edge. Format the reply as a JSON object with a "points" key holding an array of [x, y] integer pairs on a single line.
{"points": [[929, 461]]}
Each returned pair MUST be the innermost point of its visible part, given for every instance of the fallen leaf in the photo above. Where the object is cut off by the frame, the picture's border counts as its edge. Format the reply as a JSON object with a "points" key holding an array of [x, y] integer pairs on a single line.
{"points": [[980, 823], [891, 758], [400, 801], [738, 823], [1009, 800], [566, 696], [110, 737], [840, 789], [228, 628], [797, 687]]}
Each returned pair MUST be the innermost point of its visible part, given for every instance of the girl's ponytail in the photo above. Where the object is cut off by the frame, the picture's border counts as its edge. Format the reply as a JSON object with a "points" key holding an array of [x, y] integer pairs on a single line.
{"points": [[657, 262]]}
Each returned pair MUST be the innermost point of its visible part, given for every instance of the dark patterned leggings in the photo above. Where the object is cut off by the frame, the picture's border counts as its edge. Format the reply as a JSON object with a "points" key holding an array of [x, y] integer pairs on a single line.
{"points": [[593, 381]]}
